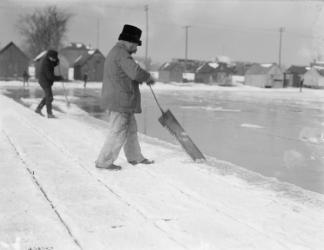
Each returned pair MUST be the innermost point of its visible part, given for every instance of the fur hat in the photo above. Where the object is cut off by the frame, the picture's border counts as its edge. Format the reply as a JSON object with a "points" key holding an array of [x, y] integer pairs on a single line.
{"points": [[52, 55], [131, 34]]}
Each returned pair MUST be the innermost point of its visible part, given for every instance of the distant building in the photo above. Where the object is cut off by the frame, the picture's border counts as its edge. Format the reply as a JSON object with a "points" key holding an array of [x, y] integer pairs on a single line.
{"points": [[73, 51], [314, 78], [90, 63], [264, 76], [171, 72], [13, 62], [178, 70], [293, 75], [240, 68], [206, 73], [214, 73]]}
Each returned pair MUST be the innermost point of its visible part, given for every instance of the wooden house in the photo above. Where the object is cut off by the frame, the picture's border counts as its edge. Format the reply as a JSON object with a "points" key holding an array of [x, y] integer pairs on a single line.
{"points": [[293, 75], [214, 73], [90, 63], [73, 51], [240, 68], [13, 62], [206, 73], [171, 72], [179, 70], [314, 77], [264, 76]]}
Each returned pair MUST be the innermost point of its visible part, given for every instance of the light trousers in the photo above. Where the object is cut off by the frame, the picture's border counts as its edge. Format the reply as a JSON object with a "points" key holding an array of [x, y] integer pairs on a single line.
{"points": [[122, 131]]}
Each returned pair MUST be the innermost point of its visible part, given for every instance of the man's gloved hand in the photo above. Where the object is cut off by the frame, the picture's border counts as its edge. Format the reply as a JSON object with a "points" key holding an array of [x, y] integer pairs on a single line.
{"points": [[150, 81]]}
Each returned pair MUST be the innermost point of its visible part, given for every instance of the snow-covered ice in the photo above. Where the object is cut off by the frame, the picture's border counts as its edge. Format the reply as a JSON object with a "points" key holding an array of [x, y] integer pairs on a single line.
{"points": [[52, 197]]}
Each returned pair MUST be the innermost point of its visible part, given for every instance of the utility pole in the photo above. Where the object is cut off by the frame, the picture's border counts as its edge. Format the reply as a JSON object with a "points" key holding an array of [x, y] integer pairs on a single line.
{"points": [[281, 30], [186, 47], [98, 32], [146, 40]]}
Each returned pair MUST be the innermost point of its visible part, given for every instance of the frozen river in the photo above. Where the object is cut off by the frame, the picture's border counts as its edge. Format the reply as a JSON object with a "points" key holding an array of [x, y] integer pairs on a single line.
{"points": [[271, 133], [275, 137]]}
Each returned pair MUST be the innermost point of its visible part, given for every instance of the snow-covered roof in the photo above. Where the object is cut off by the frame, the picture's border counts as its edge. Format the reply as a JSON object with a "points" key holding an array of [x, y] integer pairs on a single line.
{"points": [[318, 67], [266, 65], [260, 69], [295, 69], [76, 46], [86, 56], [78, 59], [213, 65], [166, 65], [91, 51], [222, 59], [79, 45], [40, 55]]}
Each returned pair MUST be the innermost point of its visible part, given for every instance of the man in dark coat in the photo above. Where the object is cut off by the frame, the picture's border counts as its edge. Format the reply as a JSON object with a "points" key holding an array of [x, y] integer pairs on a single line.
{"points": [[121, 99], [46, 80]]}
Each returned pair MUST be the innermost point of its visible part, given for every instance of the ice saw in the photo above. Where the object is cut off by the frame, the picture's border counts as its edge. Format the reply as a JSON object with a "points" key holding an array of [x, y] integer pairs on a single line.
{"points": [[169, 121]]}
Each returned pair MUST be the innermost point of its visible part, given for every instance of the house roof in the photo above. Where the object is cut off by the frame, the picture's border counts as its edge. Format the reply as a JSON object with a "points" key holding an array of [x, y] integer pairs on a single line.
{"points": [[320, 71], [169, 66], [222, 59], [190, 65], [294, 69], [73, 51], [82, 59], [240, 68], [318, 63], [40, 56], [76, 46], [16, 47], [260, 69], [212, 67], [207, 67]]}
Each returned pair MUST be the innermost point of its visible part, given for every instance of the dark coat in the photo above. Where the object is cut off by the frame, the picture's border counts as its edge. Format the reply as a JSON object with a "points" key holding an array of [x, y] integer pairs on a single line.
{"points": [[46, 73], [122, 75]]}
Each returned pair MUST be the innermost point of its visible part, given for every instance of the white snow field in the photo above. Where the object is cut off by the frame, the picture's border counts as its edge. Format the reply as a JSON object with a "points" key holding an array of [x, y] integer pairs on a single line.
{"points": [[52, 196]]}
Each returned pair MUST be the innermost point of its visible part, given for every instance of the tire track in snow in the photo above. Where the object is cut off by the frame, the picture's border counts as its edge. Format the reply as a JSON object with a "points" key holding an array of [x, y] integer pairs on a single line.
{"points": [[22, 158]]}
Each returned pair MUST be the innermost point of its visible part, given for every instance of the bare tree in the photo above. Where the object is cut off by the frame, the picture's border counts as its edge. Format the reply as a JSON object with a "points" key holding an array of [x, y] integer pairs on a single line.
{"points": [[43, 29]]}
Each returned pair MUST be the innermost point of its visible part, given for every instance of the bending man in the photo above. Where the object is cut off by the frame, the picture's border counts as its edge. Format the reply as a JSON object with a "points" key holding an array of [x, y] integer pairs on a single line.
{"points": [[46, 80]]}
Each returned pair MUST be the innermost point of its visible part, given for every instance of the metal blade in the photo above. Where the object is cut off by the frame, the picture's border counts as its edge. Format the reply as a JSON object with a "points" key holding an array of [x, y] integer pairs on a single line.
{"points": [[169, 121]]}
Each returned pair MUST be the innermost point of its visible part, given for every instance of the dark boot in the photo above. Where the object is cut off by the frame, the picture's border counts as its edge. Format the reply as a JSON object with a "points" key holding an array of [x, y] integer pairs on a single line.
{"points": [[38, 111], [144, 161], [40, 106], [110, 167], [51, 116]]}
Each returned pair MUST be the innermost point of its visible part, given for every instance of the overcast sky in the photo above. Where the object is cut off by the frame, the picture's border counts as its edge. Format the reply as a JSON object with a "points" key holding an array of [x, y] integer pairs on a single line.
{"points": [[244, 30]]}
